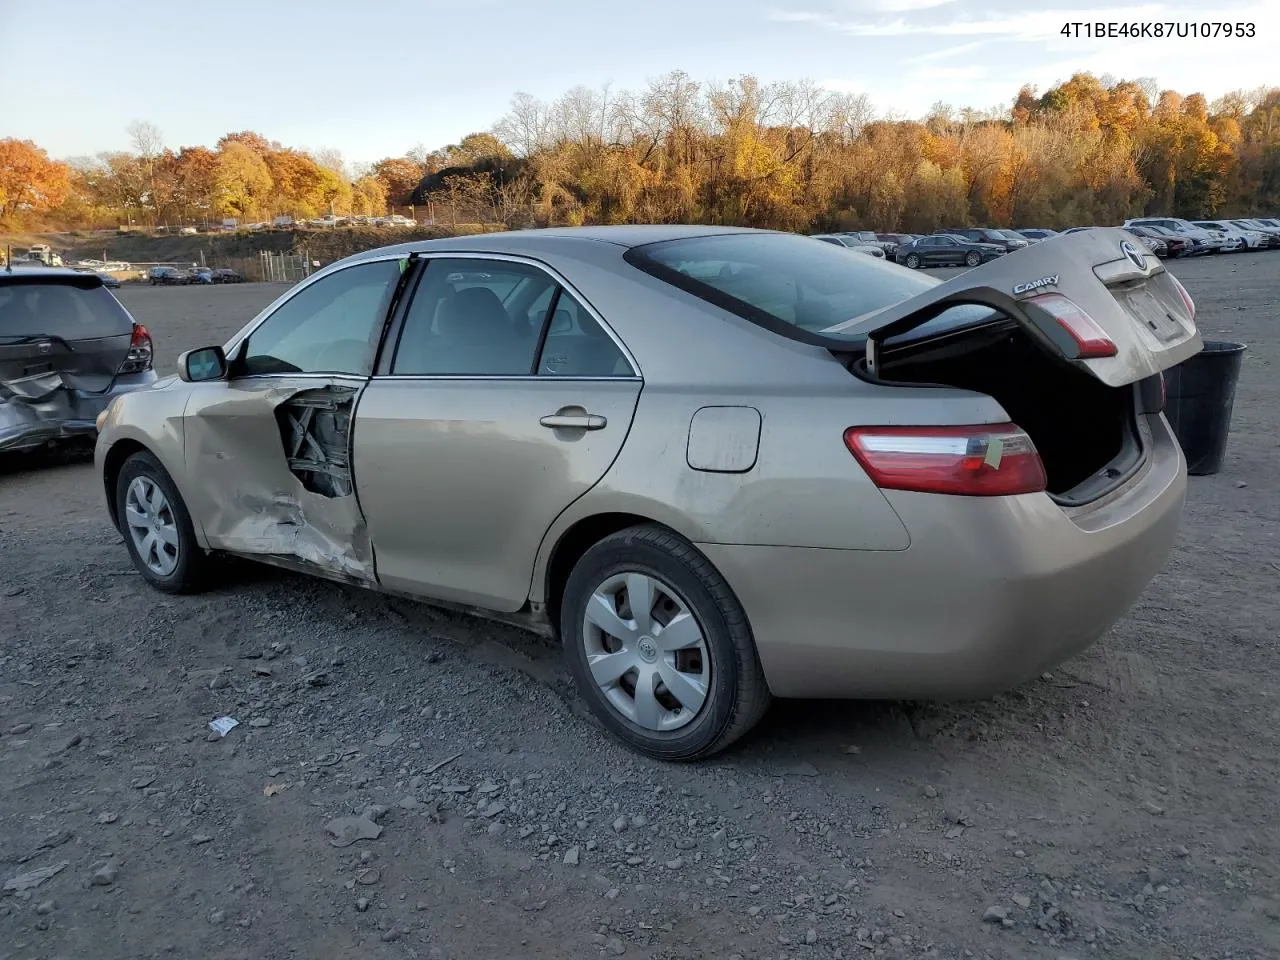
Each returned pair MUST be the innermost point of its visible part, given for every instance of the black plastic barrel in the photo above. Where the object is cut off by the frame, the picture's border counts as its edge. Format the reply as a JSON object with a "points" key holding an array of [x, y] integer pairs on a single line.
{"points": [[1199, 393]]}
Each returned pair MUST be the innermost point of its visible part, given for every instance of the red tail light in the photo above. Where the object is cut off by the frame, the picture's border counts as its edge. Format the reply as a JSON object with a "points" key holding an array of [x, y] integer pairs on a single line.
{"points": [[1186, 297], [138, 360], [1093, 341], [985, 460]]}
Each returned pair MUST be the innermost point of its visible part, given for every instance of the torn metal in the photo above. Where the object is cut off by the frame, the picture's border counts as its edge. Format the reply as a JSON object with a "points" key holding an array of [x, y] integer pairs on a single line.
{"points": [[316, 429], [271, 474]]}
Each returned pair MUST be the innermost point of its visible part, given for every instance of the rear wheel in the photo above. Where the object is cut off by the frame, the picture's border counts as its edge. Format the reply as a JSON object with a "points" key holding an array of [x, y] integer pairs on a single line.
{"points": [[913, 261], [659, 646], [972, 259], [157, 527]]}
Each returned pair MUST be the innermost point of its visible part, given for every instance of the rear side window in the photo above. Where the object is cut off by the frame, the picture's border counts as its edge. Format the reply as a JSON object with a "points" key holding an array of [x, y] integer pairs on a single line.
{"points": [[60, 310], [474, 317]]}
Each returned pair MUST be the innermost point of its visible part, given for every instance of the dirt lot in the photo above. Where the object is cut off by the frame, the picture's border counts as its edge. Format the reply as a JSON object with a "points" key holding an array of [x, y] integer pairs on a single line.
{"points": [[1124, 806]]}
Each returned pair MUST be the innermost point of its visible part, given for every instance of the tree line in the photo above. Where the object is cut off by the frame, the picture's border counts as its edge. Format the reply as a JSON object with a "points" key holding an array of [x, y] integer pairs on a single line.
{"points": [[784, 155]]}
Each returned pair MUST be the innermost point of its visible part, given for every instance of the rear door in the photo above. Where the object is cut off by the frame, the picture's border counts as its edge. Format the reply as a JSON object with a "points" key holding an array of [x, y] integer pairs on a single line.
{"points": [[1096, 297], [504, 399], [60, 330]]}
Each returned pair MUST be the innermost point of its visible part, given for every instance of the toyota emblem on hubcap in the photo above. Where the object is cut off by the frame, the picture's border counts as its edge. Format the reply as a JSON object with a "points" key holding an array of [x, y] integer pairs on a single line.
{"points": [[1135, 256], [648, 649]]}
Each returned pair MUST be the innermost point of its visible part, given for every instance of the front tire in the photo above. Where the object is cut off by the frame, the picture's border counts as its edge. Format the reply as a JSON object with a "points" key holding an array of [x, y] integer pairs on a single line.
{"points": [[913, 261], [157, 527], [972, 259], [659, 646]]}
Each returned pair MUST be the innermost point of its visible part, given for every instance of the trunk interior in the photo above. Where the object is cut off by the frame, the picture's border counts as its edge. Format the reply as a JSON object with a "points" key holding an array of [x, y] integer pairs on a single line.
{"points": [[1085, 431]]}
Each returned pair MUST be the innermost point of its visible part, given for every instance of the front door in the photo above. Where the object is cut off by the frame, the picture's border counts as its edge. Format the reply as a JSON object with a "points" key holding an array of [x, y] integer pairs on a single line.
{"points": [[505, 400], [268, 448]]}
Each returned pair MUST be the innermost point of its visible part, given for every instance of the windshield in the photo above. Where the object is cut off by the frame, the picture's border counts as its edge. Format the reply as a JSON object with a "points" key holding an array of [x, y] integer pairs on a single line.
{"points": [[790, 283], [1011, 234]]}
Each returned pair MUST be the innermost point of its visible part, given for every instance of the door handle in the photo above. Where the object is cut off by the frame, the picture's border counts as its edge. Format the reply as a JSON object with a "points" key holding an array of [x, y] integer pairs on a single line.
{"points": [[583, 421]]}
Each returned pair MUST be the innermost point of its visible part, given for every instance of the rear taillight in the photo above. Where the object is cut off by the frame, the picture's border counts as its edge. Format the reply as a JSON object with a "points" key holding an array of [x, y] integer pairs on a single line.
{"points": [[985, 460], [1092, 341], [138, 359], [1186, 297]]}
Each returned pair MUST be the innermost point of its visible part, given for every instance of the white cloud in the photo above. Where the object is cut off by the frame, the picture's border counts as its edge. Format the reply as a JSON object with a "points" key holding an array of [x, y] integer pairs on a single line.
{"points": [[947, 52], [1038, 25], [904, 6]]}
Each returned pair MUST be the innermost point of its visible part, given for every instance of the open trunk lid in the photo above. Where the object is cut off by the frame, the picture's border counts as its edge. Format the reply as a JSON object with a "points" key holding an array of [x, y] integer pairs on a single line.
{"points": [[60, 330], [1097, 297]]}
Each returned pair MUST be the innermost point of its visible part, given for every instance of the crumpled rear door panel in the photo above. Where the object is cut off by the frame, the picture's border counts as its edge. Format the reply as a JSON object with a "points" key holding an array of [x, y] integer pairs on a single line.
{"points": [[269, 469]]}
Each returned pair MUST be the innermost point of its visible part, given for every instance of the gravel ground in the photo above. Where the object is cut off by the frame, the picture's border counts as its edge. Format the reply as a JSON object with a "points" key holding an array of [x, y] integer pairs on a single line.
{"points": [[409, 783]]}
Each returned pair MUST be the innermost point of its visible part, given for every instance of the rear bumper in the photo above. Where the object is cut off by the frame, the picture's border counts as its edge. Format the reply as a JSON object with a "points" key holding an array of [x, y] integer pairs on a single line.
{"points": [[991, 592], [64, 415]]}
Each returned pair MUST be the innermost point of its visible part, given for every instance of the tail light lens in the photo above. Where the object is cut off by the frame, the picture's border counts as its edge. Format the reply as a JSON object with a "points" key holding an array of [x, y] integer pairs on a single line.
{"points": [[1186, 297], [138, 359], [1092, 341], [985, 460]]}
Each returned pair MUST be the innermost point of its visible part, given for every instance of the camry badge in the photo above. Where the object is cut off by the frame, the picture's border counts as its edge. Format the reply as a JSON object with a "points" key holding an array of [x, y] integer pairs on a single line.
{"points": [[1022, 288]]}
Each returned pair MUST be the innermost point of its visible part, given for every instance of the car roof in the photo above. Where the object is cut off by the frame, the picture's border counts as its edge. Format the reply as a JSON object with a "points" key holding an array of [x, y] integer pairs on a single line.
{"points": [[50, 273], [529, 241]]}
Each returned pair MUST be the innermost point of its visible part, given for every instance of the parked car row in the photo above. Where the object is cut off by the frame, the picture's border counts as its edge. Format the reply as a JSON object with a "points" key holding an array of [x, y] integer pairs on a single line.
{"points": [[972, 246], [173, 276], [1178, 237], [852, 241]]}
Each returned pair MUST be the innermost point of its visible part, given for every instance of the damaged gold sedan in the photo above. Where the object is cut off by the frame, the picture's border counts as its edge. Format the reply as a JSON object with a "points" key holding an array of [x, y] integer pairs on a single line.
{"points": [[721, 465]]}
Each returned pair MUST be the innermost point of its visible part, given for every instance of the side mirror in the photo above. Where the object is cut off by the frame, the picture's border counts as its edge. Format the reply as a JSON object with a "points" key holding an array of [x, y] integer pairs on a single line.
{"points": [[203, 364]]}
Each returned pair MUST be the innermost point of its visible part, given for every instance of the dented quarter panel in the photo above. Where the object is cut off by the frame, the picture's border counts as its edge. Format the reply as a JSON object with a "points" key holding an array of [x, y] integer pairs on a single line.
{"points": [[243, 493]]}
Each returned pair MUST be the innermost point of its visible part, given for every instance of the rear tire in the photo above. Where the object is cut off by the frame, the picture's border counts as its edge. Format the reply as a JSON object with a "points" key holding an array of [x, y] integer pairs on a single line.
{"points": [[972, 259], [681, 585], [913, 261], [180, 566]]}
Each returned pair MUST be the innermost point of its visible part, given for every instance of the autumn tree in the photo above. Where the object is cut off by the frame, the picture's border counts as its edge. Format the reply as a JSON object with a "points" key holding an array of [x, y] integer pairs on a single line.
{"points": [[399, 177], [243, 180], [29, 180]]}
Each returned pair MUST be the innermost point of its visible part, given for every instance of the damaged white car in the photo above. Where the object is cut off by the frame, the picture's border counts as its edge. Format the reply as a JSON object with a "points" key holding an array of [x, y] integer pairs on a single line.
{"points": [[67, 348]]}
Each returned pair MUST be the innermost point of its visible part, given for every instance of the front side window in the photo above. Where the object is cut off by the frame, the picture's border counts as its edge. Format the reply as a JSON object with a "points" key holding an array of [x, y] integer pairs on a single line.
{"points": [[330, 326]]}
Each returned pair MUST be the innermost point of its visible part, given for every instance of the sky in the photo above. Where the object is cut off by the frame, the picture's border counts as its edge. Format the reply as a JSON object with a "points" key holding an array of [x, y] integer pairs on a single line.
{"points": [[374, 79]]}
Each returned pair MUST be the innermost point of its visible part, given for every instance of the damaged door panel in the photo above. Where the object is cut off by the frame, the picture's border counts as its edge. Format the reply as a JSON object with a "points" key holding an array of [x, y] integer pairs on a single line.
{"points": [[270, 462], [316, 429]]}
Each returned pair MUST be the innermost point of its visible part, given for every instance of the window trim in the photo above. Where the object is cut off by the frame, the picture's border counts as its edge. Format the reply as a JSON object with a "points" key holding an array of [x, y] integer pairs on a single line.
{"points": [[239, 338], [391, 341]]}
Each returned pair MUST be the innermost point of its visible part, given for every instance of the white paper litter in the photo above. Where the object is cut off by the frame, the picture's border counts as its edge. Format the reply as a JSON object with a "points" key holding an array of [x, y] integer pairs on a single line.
{"points": [[223, 725]]}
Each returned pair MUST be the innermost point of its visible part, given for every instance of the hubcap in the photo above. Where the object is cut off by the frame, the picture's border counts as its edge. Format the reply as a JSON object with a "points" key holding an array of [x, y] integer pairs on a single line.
{"points": [[152, 526], [646, 651]]}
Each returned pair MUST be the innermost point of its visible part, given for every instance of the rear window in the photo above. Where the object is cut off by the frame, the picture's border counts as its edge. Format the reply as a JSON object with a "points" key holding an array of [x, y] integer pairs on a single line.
{"points": [[33, 309], [790, 284]]}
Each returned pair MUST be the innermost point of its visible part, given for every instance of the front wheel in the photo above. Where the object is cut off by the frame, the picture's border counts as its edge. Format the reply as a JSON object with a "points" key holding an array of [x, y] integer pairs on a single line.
{"points": [[157, 527], [972, 259], [659, 646], [913, 261]]}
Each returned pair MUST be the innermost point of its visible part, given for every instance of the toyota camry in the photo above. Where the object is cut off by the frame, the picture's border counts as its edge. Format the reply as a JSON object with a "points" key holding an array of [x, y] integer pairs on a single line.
{"points": [[720, 465]]}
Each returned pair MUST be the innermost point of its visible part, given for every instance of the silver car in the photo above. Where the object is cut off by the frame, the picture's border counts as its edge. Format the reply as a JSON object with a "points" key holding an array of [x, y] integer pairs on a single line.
{"points": [[720, 465], [67, 348]]}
